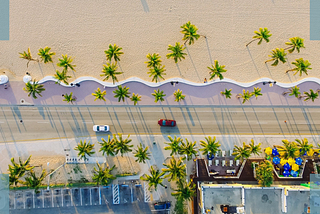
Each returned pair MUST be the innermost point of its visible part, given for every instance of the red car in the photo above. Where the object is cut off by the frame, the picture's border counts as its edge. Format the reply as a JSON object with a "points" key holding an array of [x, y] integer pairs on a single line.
{"points": [[165, 122]]}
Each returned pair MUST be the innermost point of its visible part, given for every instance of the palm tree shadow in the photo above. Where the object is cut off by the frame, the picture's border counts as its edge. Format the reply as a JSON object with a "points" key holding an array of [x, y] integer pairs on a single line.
{"points": [[209, 50], [123, 73], [268, 70], [192, 63], [253, 62], [40, 69], [179, 70]]}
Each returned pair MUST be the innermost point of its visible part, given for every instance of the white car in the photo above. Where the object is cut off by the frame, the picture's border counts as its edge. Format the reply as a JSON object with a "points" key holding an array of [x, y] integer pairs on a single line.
{"points": [[101, 128]]}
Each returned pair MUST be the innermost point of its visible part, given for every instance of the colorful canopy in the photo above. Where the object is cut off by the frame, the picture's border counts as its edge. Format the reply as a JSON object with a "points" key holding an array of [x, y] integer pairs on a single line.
{"points": [[291, 161], [286, 173], [298, 161], [283, 161], [286, 166], [210, 156], [276, 160], [294, 173], [295, 167], [268, 151], [275, 152]]}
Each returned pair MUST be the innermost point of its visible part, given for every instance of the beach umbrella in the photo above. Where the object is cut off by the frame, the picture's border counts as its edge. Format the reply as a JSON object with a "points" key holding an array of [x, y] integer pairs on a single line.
{"points": [[276, 160], [275, 152], [291, 161], [210, 156], [298, 161], [310, 152], [295, 167], [286, 166], [286, 173], [26, 78], [3, 79], [294, 173], [268, 151], [283, 161]]}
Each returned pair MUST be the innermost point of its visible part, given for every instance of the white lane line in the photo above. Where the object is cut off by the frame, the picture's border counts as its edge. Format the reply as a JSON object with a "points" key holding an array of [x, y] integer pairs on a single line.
{"points": [[1, 122], [131, 122], [87, 122], [42, 122]]}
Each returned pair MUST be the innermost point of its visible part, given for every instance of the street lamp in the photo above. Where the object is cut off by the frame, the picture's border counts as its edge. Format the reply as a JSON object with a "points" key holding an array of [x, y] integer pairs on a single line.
{"points": [[48, 175]]}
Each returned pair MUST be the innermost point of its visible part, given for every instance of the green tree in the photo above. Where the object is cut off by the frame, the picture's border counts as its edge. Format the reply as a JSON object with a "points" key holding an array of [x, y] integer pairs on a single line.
{"points": [[302, 66], [102, 176], [156, 73], [176, 169], [227, 93], [69, 98], [46, 55], [27, 56], [154, 60], [256, 92], [85, 149], [178, 95], [180, 207], [18, 170], [276, 56], [61, 77], [188, 148], [158, 95], [185, 190], [135, 98], [154, 179], [289, 149], [210, 145], [245, 96], [107, 146], [255, 149], [65, 63], [190, 33], [241, 152], [177, 52], [310, 96], [142, 154], [113, 52], [110, 70], [33, 181], [304, 146], [122, 145], [216, 70], [121, 93], [99, 95], [34, 89], [262, 34], [295, 44], [174, 145], [264, 174], [294, 92]]}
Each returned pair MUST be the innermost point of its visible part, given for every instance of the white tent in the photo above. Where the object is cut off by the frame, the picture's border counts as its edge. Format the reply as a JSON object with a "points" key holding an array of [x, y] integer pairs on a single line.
{"points": [[3, 79], [26, 78]]}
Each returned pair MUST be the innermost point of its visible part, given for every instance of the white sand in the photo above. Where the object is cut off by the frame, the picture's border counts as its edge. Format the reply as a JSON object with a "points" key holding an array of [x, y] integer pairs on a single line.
{"points": [[84, 29]]}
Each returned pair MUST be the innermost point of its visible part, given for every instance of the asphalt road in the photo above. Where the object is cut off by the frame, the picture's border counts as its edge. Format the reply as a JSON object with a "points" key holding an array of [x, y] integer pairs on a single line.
{"points": [[69, 122]]}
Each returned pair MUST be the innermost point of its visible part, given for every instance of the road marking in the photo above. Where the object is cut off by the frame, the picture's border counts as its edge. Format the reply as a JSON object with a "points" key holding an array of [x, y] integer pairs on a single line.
{"points": [[1, 122], [131, 122], [87, 122], [42, 122]]}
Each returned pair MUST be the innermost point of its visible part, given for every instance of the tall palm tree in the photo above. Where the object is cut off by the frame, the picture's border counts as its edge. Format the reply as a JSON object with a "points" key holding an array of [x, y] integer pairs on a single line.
{"points": [[216, 70], [158, 95], [211, 145], [227, 93], [302, 66], [107, 146], [241, 152], [65, 63], [27, 56], [185, 190], [14, 178], [122, 145], [135, 98], [142, 154], [154, 60], [85, 149], [190, 33], [69, 98], [264, 34], [277, 55], [256, 92], [154, 179], [177, 52], [288, 150], [34, 89], [174, 145], [17, 170], [121, 93], [310, 96], [102, 176], [35, 182], [176, 169], [304, 146], [113, 52], [110, 70], [255, 149], [294, 92], [178, 95], [156, 73], [295, 44], [98, 94], [46, 55], [61, 77], [245, 96], [188, 148]]}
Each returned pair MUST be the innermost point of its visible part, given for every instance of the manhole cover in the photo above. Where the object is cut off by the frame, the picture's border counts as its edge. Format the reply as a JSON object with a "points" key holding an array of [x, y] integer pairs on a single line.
{"points": [[264, 198]]}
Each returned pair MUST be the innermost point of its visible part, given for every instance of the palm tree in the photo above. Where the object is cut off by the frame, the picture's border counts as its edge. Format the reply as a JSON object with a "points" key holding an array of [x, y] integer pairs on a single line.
{"points": [[190, 33], [176, 169], [310, 96], [255, 149], [277, 55], [177, 53], [256, 92], [46, 55], [110, 70], [185, 190], [84, 149], [14, 178], [188, 148], [65, 63], [304, 146], [107, 147], [102, 176], [158, 95], [262, 35], [142, 154], [241, 152], [121, 93], [154, 60], [69, 98], [35, 182], [174, 145], [302, 66], [27, 56], [294, 91], [178, 95], [156, 73], [216, 70], [113, 52], [34, 88], [227, 93], [98, 94], [289, 149], [295, 43], [264, 173], [122, 145], [61, 77], [245, 96], [154, 179], [135, 98], [211, 146], [17, 170]]}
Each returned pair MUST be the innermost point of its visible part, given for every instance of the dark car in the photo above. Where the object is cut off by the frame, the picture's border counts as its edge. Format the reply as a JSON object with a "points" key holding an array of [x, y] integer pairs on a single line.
{"points": [[164, 205], [165, 122]]}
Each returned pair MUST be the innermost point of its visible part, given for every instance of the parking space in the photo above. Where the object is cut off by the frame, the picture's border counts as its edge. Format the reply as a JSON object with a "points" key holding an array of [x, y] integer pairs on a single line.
{"points": [[85, 194], [95, 199], [19, 200], [57, 198], [66, 194], [76, 197], [106, 195], [47, 197], [38, 200], [11, 199], [125, 193], [138, 192], [28, 200]]}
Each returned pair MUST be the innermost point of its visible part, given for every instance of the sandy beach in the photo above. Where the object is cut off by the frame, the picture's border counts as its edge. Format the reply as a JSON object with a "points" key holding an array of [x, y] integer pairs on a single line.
{"points": [[84, 30]]}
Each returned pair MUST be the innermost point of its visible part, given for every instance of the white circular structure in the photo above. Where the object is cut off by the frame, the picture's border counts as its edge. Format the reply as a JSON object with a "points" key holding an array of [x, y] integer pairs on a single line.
{"points": [[26, 78], [3, 79]]}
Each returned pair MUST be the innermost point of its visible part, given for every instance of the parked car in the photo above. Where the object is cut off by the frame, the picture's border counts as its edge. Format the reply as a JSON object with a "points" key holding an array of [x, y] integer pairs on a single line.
{"points": [[165, 122], [101, 128], [163, 205]]}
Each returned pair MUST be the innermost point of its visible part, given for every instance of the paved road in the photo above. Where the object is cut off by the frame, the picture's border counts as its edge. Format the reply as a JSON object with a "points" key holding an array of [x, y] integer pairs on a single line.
{"points": [[68, 122]]}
